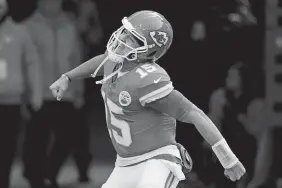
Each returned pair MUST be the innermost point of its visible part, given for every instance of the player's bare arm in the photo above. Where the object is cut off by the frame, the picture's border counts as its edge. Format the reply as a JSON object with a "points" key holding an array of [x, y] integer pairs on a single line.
{"points": [[179, 107], [82, 71], [86, 69]]}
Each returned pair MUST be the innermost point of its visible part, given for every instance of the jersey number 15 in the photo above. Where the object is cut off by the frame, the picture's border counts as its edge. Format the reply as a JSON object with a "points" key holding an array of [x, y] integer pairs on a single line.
{"points": [[146, 68], [122, 126]]}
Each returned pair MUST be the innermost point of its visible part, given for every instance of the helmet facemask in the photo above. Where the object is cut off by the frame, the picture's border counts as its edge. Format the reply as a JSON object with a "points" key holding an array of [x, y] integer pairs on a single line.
{"points": [[118, 50]]}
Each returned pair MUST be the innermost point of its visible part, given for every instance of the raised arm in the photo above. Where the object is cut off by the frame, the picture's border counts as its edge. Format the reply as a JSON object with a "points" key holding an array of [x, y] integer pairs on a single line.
{"points": [[84, 70], [87, 68]]}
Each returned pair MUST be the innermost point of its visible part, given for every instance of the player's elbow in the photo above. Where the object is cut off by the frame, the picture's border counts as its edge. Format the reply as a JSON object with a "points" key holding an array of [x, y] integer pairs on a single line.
{"points": [[195, 112], [190, 114]]}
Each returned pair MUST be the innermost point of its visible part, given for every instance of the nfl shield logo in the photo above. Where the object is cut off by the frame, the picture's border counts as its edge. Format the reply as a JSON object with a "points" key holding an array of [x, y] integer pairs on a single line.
{"points": [[124, 98]]}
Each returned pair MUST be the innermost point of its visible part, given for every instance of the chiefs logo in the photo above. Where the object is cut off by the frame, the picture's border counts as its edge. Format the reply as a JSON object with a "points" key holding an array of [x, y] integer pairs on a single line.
{"points": [[159, 37], [124, 98]]}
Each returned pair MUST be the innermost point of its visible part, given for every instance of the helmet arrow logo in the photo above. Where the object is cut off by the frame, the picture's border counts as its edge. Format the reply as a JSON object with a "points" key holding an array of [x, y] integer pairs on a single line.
{"points": [[160, 38]]}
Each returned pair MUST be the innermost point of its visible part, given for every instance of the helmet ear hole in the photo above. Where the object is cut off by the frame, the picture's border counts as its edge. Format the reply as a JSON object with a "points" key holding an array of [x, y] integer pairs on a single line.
{"points": [[132, 56]]}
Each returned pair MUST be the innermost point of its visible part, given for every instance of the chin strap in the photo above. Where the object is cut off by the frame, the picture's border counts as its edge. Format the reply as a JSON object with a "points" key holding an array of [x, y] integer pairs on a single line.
{"points": [[99, 67], [107, 77]]}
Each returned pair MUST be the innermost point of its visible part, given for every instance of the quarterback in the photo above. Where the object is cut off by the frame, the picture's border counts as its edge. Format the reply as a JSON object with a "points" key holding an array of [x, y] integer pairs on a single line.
{"points": [[142, 107]]}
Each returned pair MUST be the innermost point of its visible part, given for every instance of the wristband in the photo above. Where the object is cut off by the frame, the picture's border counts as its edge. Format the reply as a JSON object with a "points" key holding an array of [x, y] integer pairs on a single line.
{"points": [[66, 77], [224, 154]]}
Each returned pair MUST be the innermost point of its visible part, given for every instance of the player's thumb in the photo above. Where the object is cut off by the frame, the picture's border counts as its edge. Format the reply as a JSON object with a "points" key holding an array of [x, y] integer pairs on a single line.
{"points": [[60, 94], [54, 91]]}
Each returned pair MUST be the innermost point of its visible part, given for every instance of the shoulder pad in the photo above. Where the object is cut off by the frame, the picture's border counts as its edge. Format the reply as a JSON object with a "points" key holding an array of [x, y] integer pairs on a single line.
{"points": [[154, 84], [151, 73]]}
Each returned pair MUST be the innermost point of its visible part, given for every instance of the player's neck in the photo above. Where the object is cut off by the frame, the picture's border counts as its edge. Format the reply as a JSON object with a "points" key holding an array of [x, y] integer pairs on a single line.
{"points": [[128, 66]]}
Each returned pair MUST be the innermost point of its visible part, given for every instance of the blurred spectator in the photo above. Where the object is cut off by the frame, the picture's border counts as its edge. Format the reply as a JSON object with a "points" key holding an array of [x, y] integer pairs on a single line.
{"points": [[233, 13], [239, 114], [58, 43], [20, 82], [234, 32], [86, 16]]}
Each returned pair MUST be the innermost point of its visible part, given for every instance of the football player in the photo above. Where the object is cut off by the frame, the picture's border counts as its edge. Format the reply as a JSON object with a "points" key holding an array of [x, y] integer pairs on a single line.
{"points": [[142, 107]]}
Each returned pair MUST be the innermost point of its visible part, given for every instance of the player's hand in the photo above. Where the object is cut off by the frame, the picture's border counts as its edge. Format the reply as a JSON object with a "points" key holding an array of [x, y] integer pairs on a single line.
{"points": [[236, 172], [59, 87]]}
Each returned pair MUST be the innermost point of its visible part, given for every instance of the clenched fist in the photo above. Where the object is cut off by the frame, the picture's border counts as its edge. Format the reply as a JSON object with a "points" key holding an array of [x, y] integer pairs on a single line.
{"points": [[59, 87], [236, 172]]}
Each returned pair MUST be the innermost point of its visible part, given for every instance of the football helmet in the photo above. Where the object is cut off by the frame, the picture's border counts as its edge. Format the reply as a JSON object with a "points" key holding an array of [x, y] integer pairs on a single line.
{"points": [[152, 31]]}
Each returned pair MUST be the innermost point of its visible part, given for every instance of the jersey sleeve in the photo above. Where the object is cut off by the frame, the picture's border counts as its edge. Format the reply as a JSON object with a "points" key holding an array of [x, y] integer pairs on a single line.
{"points": [[153, 87], [175, 105]]}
